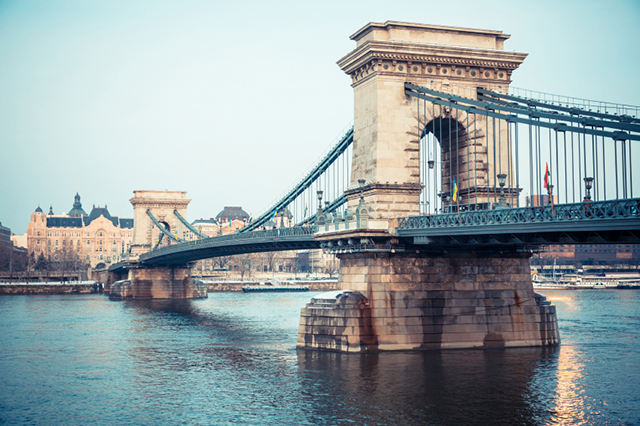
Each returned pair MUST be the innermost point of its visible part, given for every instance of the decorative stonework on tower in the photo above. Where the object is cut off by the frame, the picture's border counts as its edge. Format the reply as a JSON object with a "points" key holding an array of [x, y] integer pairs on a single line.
{"points": [[161, 204], [447, 59]]}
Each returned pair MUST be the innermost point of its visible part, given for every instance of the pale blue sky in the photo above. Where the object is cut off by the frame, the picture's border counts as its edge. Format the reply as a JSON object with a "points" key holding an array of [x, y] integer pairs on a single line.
{"points": [[234, 101]]}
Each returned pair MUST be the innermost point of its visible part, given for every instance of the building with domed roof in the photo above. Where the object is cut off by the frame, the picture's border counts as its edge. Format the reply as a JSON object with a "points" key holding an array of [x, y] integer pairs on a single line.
{"points": [[77, 210], [97, 238], [230, 219]]}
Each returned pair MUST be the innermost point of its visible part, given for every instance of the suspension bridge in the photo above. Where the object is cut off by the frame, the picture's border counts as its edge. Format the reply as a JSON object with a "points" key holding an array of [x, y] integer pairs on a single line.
{"points": [[436, 198]]}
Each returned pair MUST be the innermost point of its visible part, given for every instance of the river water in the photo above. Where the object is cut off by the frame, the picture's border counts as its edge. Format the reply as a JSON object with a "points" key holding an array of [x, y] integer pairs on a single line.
{"points": [[231, 360]]}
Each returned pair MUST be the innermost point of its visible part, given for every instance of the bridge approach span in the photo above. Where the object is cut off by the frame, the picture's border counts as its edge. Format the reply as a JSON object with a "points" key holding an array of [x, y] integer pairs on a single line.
{"points": [[281, 239]]}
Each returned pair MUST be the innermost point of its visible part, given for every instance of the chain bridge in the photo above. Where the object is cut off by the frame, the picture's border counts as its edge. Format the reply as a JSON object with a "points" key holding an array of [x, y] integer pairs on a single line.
{"points": [[435, 199]]}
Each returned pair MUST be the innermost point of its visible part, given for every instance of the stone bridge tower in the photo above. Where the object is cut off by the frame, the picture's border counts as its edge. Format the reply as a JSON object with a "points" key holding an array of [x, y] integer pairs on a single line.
{"points": [[157, 282], [446, 59], [162, 205], [430, 297]]}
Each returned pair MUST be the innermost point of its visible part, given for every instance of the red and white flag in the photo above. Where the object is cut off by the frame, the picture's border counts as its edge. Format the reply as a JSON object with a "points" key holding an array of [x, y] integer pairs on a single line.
{"points": [[546, 177]]}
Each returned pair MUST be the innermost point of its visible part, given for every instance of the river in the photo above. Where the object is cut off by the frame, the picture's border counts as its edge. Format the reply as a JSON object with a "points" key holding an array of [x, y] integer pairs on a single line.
{"points": [[231, 360]]}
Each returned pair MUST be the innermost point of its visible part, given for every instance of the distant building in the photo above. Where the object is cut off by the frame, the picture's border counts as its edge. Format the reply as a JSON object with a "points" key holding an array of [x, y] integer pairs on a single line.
{"points": [[593, 254], [5, 235], [98, 238], [540, 200], [230, 219], [208, 227], [233, 218]]}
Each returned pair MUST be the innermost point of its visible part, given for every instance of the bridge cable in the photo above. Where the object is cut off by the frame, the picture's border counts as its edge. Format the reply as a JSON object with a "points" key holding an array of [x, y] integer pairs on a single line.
{"points": [[306, 182], [163, 229], [188, 225]]}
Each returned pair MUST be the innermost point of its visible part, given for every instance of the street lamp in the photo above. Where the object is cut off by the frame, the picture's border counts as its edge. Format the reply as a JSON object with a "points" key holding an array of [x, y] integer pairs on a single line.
{"points": [[502, 204], [431, 164], [550, 189], [588, 183]]}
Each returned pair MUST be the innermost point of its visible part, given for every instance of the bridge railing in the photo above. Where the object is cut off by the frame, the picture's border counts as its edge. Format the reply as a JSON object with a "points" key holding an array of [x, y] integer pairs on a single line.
{"points": [[584, 211]]}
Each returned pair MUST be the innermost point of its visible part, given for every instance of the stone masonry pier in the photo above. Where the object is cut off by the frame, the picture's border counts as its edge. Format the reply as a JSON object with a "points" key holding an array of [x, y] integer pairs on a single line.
{"points": [[159, 283], [400, 302]]}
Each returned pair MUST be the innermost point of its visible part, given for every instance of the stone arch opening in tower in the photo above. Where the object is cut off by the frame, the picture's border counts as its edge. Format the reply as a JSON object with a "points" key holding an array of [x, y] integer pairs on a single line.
{"points": [[468, 150]]}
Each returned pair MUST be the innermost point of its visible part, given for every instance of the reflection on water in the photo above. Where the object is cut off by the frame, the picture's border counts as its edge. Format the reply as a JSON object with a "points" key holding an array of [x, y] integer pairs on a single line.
{"points": [[231, 359], [456, 387], [569, 394]]}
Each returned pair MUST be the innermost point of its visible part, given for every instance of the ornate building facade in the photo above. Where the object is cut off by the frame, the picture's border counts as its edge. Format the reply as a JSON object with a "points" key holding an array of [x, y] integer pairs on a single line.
{"points": [[97, 238]]}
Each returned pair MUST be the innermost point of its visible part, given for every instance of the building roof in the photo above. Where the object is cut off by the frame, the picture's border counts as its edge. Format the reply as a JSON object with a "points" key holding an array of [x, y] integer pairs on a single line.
{"points": [[96, 212], [64, 222], [201, 221], [284, 212], [232, 213], [38, 209], [77, 210], [126, 223]]}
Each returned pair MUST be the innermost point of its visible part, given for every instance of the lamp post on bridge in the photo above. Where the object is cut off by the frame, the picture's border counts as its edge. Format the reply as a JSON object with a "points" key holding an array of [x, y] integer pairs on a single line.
{"points": [[502, 203], [588, 183]]}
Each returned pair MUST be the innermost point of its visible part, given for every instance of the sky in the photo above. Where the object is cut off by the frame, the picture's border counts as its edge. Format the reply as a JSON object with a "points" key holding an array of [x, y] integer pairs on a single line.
{"points": [[234, 102]]}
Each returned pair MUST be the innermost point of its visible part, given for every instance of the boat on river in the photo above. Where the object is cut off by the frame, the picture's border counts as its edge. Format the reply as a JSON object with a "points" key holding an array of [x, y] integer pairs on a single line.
{"points": [[604, 281], [273, 285]]}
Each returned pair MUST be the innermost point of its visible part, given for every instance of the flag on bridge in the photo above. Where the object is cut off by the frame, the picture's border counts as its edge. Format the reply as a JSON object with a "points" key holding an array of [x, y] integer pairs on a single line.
{"points": [[305, 209], [274, 213], [455, 190], [251, 218], [546, 177]]}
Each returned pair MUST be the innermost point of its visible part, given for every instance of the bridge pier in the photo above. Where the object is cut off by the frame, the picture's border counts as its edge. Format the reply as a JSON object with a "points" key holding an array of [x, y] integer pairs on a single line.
{"points": [[160, 282], [419, 302]]}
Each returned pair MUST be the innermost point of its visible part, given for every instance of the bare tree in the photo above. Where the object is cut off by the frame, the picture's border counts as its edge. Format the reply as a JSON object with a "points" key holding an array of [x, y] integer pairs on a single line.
{"points": [[245, 264], [270, 259], [5, 256], [221, 262]]}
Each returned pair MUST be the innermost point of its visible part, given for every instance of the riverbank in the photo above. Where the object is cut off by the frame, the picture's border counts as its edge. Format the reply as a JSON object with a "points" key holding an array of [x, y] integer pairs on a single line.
{"points": [[85, 287], [232, 286], [81, 287]]}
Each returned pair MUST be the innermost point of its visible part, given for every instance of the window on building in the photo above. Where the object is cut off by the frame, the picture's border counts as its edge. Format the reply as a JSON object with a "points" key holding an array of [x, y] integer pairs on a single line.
{"points": [[100, 234], [56, 234], [88, 257], [49, 242], [114, 234], [64, 234], [88, 242], [38, 242], [48, 234], [64, 242], [115, 242], [56, 242], [38, 233]]}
